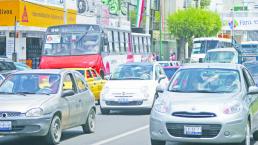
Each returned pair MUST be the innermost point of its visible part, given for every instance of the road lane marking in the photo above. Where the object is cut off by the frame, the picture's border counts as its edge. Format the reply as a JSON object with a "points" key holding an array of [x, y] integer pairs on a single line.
{"points": [[121, 135]]}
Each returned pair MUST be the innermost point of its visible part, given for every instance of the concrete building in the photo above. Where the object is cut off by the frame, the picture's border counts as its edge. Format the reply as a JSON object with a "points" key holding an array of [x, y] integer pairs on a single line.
{"points": [[34, 16]]}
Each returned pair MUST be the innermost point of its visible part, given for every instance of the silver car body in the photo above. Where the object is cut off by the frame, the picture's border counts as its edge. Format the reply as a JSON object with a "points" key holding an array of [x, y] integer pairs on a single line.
{"points": [[205, 110], [73, 110]]}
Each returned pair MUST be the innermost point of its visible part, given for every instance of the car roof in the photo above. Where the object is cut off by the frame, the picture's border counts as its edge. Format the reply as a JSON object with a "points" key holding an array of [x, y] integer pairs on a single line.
{"points": [[213, 65], [42, 71], [231, 49]]}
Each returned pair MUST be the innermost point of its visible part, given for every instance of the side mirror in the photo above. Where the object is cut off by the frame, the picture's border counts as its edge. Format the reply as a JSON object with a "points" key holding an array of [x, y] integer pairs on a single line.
{"points": [[161, 77], [253, 90], [68, 93], [160, 89], [200, 60]]}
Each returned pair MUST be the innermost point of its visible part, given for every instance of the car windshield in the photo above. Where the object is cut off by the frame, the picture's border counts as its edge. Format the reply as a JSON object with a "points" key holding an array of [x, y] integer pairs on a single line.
{"points": [[219, 57], [200, 47], [6, 65], [71, 44], [133, 72], [206, 80], [31, 84], [170, 71]]}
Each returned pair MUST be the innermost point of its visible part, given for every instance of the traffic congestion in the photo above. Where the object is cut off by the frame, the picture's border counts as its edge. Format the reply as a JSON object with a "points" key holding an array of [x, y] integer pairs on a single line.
{"points": [[128, 72]]}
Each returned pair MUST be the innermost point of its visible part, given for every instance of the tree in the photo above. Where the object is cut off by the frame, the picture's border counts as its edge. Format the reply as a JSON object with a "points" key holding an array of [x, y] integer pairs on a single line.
{"points": [[190, 23], [205, 3]]}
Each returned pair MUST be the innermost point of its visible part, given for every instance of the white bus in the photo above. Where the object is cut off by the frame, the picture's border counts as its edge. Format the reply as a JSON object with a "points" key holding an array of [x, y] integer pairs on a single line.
{"points": [[202, 45]]}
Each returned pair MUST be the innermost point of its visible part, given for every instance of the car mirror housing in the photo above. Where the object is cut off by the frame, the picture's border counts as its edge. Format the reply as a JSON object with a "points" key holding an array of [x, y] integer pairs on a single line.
{"points": [[161, 78], [253, 90], [160, 89], [68, 93]]}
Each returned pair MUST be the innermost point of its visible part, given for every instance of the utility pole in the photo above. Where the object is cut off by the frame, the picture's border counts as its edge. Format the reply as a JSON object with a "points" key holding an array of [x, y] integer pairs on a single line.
{"points": [[65, 12], [233, 23], [14, 54], [160, 29], [147, 28]]}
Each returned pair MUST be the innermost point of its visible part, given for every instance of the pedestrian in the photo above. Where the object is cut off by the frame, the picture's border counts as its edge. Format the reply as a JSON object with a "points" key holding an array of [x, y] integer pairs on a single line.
{"points": [[173, 57]]}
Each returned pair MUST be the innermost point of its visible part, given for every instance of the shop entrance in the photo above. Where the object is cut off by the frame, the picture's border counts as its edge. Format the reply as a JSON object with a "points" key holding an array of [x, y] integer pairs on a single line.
{"points": [[2, 46], [33, 51]]}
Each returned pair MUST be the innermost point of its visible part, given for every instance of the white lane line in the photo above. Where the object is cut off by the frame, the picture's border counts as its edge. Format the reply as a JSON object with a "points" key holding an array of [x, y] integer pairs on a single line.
{"points": [[121, 135]]}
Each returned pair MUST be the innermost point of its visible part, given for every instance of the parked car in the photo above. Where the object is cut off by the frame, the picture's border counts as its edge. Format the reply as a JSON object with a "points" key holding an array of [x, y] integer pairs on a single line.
{"points": [[21, 66], [7, 66], [206, 103], [93, 79], [132, 86], [30, 107], [252, 67]]}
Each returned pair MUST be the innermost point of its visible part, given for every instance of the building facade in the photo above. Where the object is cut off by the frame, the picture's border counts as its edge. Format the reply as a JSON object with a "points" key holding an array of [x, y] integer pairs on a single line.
{"points": [[25, 22]]}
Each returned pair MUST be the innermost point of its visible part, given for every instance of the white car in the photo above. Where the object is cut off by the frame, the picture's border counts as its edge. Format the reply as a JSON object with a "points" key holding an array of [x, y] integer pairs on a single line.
{"points": [[132, 86]]}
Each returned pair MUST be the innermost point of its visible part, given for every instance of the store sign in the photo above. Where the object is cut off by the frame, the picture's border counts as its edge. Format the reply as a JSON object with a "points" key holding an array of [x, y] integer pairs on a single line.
{"points": [[243, 23]]}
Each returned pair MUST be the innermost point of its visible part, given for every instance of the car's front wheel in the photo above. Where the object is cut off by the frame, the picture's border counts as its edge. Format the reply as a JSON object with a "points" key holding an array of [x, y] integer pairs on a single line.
{"points": [[89, 126], [55, 131], [104, 111], [157, 142]]}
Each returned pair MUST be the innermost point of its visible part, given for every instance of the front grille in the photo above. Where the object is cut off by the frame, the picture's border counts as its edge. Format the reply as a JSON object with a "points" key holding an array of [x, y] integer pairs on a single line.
{"points": [[9, 114], [208, 130], [194, 115], [17, 128], [131, 103]]}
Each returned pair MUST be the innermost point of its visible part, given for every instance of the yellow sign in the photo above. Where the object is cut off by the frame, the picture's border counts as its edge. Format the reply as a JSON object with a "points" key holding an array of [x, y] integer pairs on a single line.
{"points": [[31, 14]]}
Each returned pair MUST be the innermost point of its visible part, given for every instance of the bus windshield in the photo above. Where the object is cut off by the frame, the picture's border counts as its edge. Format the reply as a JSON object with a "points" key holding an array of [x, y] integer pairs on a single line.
{"points": [[203, 46], [71, 44]]}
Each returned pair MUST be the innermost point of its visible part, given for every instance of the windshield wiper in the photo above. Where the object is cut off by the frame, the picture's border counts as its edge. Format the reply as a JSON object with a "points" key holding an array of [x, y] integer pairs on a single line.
{"points": [[24, 93], [205, 91], [176, 90], [133, 78], [6, 93]]}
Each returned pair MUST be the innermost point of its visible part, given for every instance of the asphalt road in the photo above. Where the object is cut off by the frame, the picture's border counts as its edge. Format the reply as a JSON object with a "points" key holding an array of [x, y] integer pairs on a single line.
{"points": [[118, 128]]}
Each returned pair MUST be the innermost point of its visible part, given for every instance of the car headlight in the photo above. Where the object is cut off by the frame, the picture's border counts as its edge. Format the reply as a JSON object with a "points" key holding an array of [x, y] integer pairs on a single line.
{"points": [[161, 106], [35, 112], [232, 108]]}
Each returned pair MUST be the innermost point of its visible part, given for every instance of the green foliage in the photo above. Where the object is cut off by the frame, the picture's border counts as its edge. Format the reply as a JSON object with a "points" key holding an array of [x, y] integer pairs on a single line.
{"points": [[205, 3], [194, 22], [157, 16]]}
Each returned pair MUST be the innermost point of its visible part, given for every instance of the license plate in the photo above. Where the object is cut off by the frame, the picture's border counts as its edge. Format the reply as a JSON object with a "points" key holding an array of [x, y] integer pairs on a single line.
{"points": [[123, 100], [192, 130], [5, 125]]}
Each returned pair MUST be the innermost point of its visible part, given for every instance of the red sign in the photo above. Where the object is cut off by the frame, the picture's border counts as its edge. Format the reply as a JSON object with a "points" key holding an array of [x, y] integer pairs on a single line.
{"points": [[25, 15]]}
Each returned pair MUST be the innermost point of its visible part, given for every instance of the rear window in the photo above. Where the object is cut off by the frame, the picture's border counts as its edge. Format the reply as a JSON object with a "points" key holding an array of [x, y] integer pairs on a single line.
{"points": [[5, 65]]}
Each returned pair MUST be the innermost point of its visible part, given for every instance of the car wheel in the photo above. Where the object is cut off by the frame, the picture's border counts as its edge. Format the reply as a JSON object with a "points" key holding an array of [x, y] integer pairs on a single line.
{"points": [[255, 135], [55, 131], [104, 111], [89, 126], [157, 142]]}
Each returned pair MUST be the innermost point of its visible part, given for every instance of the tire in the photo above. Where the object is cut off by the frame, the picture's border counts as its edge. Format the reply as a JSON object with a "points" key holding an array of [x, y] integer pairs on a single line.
{"points": [[158, 142], [89, 126], [55, 131], [255, 135], [104, 111]]}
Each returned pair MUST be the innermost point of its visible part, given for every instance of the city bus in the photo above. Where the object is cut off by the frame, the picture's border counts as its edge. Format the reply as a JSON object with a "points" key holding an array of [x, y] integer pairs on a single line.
{"points": [[87, 45], [202, 45]]}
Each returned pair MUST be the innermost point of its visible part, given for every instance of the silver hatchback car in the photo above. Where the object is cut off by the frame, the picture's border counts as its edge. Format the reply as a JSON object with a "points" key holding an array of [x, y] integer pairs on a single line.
{"points": [[45, 102], [206, 103]]}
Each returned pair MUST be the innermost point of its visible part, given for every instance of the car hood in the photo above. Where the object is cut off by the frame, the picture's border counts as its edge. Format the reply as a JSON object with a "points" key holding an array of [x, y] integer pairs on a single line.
{"points": [[198, 102], [20, 103], [129, 84]]}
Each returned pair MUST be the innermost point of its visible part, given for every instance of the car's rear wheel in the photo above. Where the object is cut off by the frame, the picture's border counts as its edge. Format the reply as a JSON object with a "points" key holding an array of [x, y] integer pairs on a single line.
{"points": [[89, 126], [55, 131], [104, 111], [157, 142], [255, 135]]}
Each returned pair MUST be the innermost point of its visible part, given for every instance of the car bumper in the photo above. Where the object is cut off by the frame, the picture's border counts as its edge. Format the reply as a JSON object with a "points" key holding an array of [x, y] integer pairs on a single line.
{"points": [[132, 105], [28, 126], [232, 131]]}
